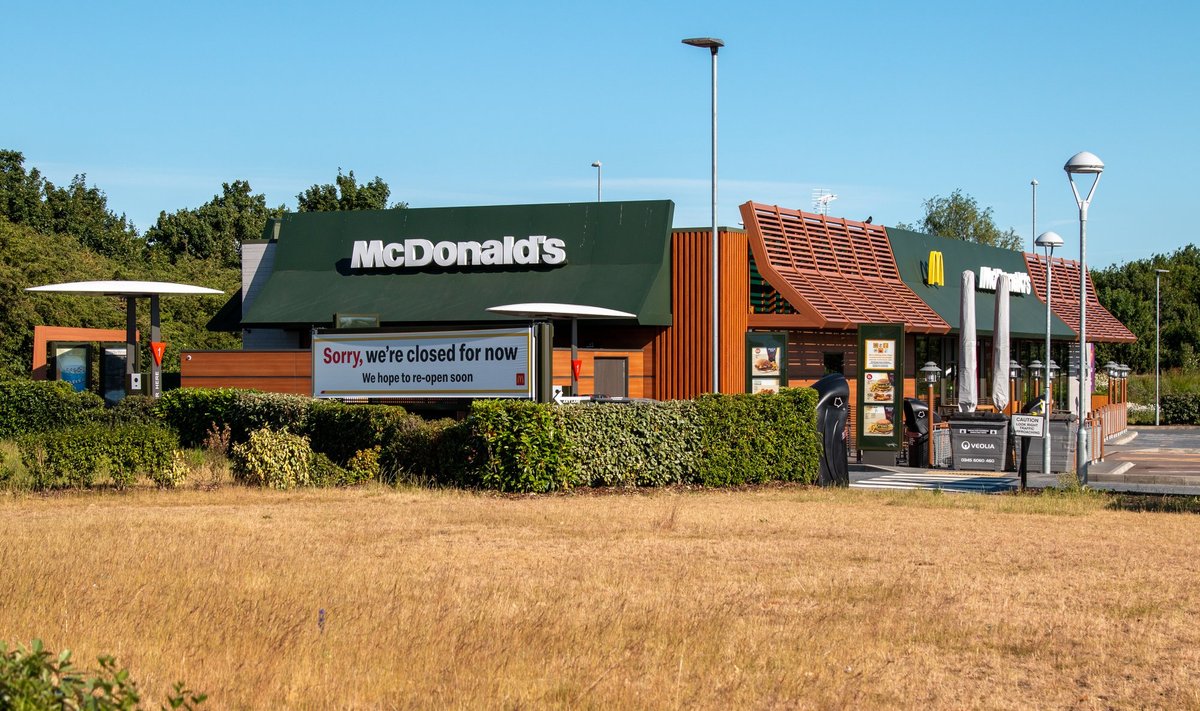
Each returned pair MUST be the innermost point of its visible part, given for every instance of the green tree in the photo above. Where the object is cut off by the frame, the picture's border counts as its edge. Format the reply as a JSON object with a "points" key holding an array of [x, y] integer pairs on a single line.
{"points": [[83, 212], [26, 198], [958, 216], [216, 229], [346, 194], [21, 192], [1127, 291]]}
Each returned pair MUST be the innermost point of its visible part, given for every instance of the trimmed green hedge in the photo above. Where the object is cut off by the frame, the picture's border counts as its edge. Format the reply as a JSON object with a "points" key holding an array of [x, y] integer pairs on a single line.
{"points": [[751, 439], [507, 445], [28, 406], [337, 430], [340, 431], [192, 411], [523, 447], [442, 452], [640, 444], [717, 440], [74, 456]]}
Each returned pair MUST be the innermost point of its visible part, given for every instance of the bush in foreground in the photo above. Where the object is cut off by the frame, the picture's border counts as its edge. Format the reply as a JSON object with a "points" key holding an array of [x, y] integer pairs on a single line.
{"points": [[33, 679], [274, 458]]}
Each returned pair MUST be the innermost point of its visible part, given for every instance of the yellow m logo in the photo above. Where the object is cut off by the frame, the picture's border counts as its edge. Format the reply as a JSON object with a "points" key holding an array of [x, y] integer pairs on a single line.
{"points": [[937, 270]]}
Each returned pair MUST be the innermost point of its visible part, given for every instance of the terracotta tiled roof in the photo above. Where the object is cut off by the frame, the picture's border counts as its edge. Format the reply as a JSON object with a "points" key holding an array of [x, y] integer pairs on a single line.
{"points": [[836, 273], [1101, 325]]}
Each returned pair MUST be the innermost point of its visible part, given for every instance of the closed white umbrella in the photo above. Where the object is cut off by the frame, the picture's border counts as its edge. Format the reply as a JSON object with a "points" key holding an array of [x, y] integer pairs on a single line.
{"points": [[1000, 350], [968, 395]]}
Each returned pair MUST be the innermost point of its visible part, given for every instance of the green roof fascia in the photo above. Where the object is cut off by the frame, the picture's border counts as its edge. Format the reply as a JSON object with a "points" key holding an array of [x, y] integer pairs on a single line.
{"points": [[1027, 313], [618, 257]]}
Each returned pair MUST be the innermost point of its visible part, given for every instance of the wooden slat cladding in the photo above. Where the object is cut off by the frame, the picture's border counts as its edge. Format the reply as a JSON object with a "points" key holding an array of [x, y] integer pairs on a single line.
{"points": [[683, 352], [640, 369], [735, 309], [836, 273], [269, 371]]}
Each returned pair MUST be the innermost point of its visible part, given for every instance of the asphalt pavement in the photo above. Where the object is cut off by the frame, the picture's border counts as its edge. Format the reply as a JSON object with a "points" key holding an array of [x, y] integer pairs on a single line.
{"points": [[1151, 460]]}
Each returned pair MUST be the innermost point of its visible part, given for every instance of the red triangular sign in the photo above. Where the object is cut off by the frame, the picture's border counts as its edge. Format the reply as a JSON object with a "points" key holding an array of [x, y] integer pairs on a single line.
{"points": [[576, 367], [157, 348]]}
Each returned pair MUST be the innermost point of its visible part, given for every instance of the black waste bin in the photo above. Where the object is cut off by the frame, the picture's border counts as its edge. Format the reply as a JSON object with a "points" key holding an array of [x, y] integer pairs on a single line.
{"points": [[1063, 430], [979, 440], [833, 410], [916, 431]]}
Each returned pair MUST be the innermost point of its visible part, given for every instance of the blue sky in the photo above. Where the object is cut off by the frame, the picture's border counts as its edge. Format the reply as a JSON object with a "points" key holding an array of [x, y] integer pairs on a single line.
{"points": [[466, 103]]}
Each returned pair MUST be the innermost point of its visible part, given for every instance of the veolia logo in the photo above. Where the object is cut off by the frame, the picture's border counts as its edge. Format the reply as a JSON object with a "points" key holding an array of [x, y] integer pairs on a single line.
{"points": [[991, 446], [415, 253]]}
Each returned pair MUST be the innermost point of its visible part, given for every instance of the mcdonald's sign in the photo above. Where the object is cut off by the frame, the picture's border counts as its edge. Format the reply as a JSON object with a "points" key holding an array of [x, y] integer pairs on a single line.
{"points": [[936, 274]]}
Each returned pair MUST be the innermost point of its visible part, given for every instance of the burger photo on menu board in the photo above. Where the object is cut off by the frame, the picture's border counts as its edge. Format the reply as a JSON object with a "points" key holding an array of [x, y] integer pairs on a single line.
{"points": [[879, 387]]}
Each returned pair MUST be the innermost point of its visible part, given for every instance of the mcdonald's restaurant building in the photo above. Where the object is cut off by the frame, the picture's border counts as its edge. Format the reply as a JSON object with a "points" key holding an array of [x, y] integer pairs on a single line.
{"points": [[795, 291]]}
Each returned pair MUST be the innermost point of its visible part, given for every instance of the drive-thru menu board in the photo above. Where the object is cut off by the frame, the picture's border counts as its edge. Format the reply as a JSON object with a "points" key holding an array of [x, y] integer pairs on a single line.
{"points": [[444, 364], [880, 386], [766, 361]]}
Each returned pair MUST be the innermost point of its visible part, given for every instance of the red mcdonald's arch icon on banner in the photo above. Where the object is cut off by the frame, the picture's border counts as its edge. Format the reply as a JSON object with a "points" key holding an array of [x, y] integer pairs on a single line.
{"points": [[158, 348], [576, 367]]}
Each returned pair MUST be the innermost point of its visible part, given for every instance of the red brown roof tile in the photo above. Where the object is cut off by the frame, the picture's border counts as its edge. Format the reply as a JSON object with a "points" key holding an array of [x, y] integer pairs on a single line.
{"points": [[1102, 326], [836, 273]]}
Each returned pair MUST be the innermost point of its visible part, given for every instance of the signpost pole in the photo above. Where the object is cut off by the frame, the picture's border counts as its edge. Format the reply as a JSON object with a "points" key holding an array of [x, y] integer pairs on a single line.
{"points": [[156, 359], [131, 345]]}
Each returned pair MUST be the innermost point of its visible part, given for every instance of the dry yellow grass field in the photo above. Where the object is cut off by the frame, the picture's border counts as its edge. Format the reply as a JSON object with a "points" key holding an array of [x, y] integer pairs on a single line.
{"points": [[782, 597]]}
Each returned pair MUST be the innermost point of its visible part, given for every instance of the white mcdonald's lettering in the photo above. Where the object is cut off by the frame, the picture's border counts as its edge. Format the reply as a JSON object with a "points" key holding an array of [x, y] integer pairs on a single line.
{"points": [[535, 249], [1018, 282]]}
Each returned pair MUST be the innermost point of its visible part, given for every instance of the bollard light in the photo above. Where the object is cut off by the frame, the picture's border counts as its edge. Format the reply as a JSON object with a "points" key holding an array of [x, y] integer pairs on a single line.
{"points": [[930, 374]]}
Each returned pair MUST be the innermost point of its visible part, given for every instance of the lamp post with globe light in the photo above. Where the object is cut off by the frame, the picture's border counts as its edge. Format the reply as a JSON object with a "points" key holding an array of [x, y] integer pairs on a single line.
{"points": [[930, 374], [1048, 241], [1083, 163]]}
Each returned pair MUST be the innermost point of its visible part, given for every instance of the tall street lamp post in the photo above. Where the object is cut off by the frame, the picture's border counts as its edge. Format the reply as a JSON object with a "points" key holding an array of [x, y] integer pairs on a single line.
{"points": [[1157, 326], [1048, 241], [1033, 230], [713, 44], [597, 166], [1083, 163]]}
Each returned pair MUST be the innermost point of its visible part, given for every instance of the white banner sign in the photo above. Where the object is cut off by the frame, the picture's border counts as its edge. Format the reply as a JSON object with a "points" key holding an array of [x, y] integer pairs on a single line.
{"points": [[1028, 425], [447, 364]]}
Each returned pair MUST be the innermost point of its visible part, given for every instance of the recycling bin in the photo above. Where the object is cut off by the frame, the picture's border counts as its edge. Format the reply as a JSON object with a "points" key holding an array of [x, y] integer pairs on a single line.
{"points": [[979, 440], [833, 411], [1063, 430], [917, 422]]}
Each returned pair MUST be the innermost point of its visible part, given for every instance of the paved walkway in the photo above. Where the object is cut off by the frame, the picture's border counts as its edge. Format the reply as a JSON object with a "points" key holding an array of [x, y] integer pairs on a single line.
{"points": [[952, 482], [1152, 460], [1160, 460]]}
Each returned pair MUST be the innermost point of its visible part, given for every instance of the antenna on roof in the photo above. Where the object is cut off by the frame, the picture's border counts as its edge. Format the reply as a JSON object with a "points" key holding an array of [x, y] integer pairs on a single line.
{"points": [[821, 199]]}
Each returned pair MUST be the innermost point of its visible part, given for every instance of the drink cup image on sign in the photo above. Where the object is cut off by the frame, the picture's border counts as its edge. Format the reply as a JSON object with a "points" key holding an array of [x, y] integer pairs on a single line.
{"points": [[764, 361]]}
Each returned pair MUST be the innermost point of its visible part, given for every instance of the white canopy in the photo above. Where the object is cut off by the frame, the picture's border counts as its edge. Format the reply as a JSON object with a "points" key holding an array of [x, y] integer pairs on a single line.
{"points": [[968, 377], [125, 288], [1000, 347], [550, 310]]}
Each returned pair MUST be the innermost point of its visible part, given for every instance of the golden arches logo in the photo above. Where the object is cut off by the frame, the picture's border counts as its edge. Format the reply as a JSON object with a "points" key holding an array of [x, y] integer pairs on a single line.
{"points": [[937, 270]]}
